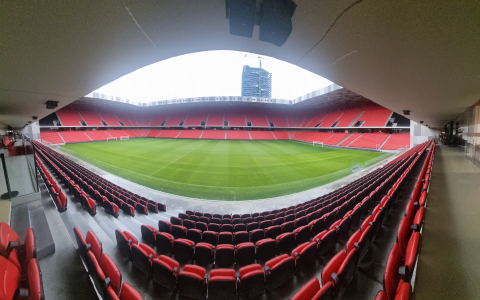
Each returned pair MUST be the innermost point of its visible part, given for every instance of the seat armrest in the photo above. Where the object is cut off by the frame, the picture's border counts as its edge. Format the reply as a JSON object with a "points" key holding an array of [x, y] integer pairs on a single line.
{"points": [[11, 245]]}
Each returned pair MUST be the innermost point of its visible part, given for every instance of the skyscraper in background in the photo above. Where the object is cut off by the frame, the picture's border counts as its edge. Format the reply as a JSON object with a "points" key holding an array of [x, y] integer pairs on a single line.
{"points": [[256, 82]]}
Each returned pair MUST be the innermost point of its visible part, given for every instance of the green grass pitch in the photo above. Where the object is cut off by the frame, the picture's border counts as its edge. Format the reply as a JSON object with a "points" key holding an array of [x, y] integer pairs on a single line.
{"points": [[222, 170]]}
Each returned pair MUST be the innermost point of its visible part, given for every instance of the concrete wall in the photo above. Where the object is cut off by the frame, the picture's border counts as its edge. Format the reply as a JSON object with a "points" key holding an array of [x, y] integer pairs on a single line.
{"points": [[32, 130], [420, 134]]}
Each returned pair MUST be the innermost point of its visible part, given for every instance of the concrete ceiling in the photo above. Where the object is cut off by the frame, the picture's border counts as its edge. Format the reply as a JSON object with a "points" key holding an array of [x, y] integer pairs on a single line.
{"points": [[417, 55]]}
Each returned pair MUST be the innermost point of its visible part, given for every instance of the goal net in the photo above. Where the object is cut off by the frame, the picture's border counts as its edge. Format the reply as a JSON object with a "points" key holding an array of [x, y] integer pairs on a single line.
{"points": [[316, 143], [124, 138], [111, 139]]}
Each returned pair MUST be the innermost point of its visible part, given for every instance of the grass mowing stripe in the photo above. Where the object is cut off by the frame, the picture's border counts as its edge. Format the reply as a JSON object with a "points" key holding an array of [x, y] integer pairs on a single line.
{"points": [[219, 169]]}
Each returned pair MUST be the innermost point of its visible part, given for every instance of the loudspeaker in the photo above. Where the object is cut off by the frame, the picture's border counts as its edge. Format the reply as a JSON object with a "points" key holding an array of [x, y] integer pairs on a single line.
{"points": [[242, 16], [276, 20]]}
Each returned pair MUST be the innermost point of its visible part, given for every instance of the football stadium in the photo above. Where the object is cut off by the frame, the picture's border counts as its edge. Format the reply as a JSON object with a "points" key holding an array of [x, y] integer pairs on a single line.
{"points": [[239, 149]]}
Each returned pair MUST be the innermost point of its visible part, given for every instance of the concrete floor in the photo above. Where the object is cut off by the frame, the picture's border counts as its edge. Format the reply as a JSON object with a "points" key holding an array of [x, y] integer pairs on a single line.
{"points": [[449, 264]]}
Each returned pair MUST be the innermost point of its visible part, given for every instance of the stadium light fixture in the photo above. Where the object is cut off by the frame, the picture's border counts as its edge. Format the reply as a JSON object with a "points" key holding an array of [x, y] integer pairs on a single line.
{"points": [[52, 104]]}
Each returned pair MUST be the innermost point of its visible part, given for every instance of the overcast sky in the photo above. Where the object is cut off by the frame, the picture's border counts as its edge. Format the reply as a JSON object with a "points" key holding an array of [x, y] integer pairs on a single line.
{"points": [[212, 73]]}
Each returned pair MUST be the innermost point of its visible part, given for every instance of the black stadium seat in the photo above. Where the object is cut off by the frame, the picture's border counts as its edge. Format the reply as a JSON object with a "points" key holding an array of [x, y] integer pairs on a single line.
{"points": [[222, 284], [165, 271], [210, 237], [194, 235], [142, 257], [148, 234], [279, 270], [183, 250], [251, 281], [164, 243], [266, 249], [192, 282], [224, 256], [125, 240], [245, 253], [204, 254]]}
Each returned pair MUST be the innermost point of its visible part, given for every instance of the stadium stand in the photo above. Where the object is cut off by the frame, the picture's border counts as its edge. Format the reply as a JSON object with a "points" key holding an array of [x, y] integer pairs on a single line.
{"points": [[315, 136], [335, 139], [397, 141], [281, 135], [195, 119], [116, 133], [350, 139], [235, 120], [51, 137], [175, 120], [130, 133], [215, 120], [110, 119], [213, 135], [257, 120], [278, 120], [141, 132], [153, 133], [69, 117], [238, 135], [303, 135], [347, 118], [190, 134], [262, 135], [292, 121], [169, 134], [158, 120], [87, 186], [369, 141], [126, 120], [97, 135], [74, 136], [375, 117], [143, 120], [331, 118], [91, 118], [369, 198], [317, 119]]}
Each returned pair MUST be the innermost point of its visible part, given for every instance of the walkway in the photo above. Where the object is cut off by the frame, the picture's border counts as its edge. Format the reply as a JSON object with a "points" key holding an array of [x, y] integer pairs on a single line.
{"points": [[448, 267]]}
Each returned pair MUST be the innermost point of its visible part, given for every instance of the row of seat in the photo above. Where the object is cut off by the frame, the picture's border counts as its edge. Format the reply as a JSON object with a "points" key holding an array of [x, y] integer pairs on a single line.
{"points": [[86, 185], [372, 116], [54, 189], [101, 268], [358, 188], [403, 257], [340, 270], [278, 269], [19, 269]]}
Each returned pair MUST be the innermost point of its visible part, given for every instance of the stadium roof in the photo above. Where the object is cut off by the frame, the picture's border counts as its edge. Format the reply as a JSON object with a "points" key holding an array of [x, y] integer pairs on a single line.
{"points": [[421, 56]]}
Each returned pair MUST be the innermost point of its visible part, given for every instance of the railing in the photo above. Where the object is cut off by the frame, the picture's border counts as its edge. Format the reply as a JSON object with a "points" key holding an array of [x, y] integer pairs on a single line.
{"points": [[18, 177]]}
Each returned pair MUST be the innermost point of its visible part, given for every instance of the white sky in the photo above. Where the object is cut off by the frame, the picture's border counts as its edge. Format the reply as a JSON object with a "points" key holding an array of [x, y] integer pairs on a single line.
{"points": [[212, 73]]}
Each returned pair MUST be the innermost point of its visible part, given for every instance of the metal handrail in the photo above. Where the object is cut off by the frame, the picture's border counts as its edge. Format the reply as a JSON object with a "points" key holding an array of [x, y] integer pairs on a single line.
{"points": [[2, 157]]}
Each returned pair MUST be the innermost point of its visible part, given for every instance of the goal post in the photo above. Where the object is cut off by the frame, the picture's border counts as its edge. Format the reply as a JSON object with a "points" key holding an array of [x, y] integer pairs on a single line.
{"points": [[317, 143], [112, 138], [124, 138]]}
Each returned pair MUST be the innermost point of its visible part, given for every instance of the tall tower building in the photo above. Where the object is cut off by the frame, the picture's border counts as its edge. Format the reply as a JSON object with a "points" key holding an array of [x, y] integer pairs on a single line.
{"points": [[256, 82]]}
